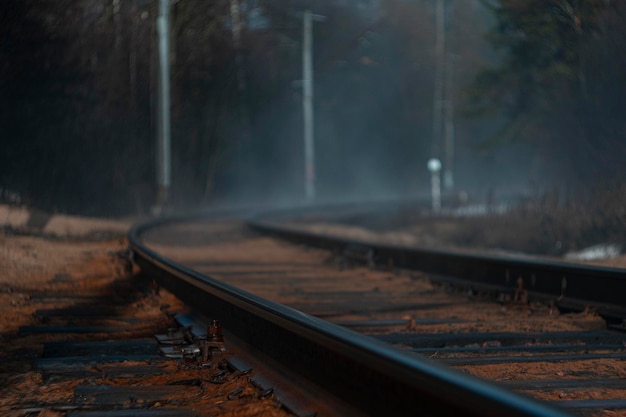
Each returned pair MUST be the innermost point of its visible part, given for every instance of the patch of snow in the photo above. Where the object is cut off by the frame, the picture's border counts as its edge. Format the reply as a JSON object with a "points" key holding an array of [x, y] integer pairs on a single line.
{"points": [[591, 253], [478, 210]]}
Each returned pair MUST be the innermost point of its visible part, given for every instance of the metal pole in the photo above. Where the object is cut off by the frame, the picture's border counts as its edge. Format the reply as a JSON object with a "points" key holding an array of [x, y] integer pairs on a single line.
{"points": [[436, 191], [235, 15], [307, 106], [434, 166], [163, 128], [440, 42], [448, 126]]}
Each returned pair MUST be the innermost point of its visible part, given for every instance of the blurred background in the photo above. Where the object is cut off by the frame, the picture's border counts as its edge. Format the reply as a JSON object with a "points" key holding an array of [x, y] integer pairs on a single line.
{"points": [[514, 97]]}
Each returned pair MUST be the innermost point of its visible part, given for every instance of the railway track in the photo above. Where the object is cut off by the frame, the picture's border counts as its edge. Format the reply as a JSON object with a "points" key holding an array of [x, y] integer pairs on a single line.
{"points": [[378, 338], [524, 342]]}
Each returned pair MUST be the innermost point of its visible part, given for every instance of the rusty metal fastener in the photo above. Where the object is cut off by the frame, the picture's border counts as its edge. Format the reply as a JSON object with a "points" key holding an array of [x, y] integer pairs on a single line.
{"points": [[521, 294], [213, 347], [214, 332]]}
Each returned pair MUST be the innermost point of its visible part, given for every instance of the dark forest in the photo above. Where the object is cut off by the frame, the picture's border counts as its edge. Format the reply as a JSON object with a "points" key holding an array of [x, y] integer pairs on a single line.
{"points": [[533, 88]]}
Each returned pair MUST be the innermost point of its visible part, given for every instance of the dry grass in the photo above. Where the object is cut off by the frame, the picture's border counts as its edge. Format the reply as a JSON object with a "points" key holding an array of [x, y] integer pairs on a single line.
{"points": [[550, 226]]}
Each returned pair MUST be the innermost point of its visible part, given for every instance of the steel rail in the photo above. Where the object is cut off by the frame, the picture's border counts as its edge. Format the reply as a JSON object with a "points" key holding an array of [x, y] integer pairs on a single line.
{"points": [[372, 376], [568, 285]]}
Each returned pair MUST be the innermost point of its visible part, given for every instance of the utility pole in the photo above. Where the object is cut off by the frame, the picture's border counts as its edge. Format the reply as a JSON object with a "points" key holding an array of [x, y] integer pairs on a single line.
{"points": [[163, 128], [438, 96], [443, 104], [235, 16], [448, 125], [307, 105]]}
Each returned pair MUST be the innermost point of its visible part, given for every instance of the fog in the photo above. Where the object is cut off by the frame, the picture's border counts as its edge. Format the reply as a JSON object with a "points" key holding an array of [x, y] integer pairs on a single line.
{"points": [[515, 98]]}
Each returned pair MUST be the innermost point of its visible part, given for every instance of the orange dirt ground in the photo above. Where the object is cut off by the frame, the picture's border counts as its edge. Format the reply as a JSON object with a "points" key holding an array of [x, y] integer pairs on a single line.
{"points": [[72, 260]]}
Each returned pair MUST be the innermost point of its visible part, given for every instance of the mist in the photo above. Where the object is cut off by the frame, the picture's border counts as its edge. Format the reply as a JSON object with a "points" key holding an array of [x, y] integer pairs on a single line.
{"points": [[514, 114]]}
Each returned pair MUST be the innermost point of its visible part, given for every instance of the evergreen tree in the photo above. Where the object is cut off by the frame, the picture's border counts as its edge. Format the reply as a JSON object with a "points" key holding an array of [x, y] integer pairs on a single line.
{"points": [[559, 66]]}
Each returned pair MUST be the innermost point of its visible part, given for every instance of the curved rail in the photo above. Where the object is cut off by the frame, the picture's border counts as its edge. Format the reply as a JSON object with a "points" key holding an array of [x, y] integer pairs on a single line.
{"points": [[372, 376], [568, 285]]}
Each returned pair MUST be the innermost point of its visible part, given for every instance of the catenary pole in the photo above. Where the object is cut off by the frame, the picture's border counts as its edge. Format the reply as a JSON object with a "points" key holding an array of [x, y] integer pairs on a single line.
{"points": [[307, 105], [163, 128], [438, 96], [448, 125]]}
